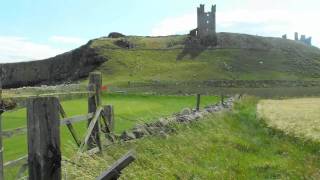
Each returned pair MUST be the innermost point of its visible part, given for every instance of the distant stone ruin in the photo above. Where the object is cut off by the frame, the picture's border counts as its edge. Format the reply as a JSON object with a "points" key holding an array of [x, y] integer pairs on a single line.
{"points": [[303, 39], [206, 30], [296, 36], [284, 36], [206, 22]]}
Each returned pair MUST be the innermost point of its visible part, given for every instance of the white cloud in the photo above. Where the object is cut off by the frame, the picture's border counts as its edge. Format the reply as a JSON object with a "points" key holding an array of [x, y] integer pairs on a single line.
{"points": [[17, 49], [268, 18], [174, 25], [67, 40]]}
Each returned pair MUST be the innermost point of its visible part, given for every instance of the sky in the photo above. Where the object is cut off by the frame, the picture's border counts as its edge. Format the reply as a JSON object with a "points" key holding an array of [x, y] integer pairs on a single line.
{"points": [[38, 29]]}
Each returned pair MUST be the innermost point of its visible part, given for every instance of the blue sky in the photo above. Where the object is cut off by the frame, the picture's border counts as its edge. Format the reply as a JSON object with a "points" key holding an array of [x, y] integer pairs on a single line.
{"points": [[36, 29]]}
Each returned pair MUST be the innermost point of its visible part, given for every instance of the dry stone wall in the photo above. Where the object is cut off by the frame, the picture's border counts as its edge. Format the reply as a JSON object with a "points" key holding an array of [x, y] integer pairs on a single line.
{"points": [[163, 126]]}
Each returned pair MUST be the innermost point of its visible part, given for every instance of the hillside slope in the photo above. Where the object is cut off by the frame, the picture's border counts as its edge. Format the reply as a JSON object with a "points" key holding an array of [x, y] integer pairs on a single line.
{"points": [[66, 67], [237, 57], [141, 61]]}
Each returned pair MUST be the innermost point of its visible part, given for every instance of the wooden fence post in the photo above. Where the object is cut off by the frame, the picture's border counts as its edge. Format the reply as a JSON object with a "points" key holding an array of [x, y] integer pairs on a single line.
{"points": [[70, 126], [108, 115], [198, 102], [44, 155], [108, 120], [1, 148], [114, 171], [94, 101], [222, 99]]}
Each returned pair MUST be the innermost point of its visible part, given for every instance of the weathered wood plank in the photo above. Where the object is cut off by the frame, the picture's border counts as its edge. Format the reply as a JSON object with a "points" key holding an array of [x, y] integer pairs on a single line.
{"points": [[76, 119], [70, 127], [12, 132], [61, 110], [108, 117], [65, 121], [95, 78], [114, 171], [16, 162], [68, 93], [44, 155], [90, 129], [222, 99], [95, 83], [74, 134], [198, 102], [108, 121]]}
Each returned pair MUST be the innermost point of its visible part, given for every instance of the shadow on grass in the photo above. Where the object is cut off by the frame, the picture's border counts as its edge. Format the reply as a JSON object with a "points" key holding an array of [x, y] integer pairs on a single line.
{"points": [[192, 48]]}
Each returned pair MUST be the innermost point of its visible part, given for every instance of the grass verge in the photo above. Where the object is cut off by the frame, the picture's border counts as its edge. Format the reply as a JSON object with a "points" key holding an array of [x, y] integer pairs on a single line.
{"points": [[234, 145]]}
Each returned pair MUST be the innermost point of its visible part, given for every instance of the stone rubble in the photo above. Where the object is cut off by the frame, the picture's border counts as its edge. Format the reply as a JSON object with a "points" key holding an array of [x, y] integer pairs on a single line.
{"points": [[163, 127]]}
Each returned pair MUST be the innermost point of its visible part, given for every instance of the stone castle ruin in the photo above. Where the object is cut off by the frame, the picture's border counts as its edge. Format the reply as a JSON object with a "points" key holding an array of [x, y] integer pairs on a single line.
{"points": [[206, 22], [302, 39], [206, 30]]}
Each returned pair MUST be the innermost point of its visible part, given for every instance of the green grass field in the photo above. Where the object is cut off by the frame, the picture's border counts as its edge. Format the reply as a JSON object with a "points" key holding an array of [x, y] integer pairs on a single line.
{"points": [[233, 145], [129, 111]]}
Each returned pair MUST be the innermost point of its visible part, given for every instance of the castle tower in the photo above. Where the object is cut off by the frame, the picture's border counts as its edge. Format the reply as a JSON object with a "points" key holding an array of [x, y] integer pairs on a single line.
{"points": [[296, 36], [206, 22], [308, 41]]}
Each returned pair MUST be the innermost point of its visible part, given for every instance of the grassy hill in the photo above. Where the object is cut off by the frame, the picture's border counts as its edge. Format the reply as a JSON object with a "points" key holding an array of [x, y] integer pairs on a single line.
{"points": [[172, 59]]}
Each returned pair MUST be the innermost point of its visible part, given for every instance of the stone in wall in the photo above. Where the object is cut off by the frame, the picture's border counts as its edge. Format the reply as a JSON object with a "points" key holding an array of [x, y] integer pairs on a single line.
{"points": [[163, 127]]}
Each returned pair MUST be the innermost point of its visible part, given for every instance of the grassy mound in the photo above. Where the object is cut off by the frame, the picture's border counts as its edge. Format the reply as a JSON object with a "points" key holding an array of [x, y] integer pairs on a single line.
{"points": [[172, 59], [233, 145]]}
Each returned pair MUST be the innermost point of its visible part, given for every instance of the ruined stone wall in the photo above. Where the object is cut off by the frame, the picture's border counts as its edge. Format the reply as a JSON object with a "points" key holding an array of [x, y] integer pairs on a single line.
{"points": [[303, 39], [284, 36], [62, 68]]}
